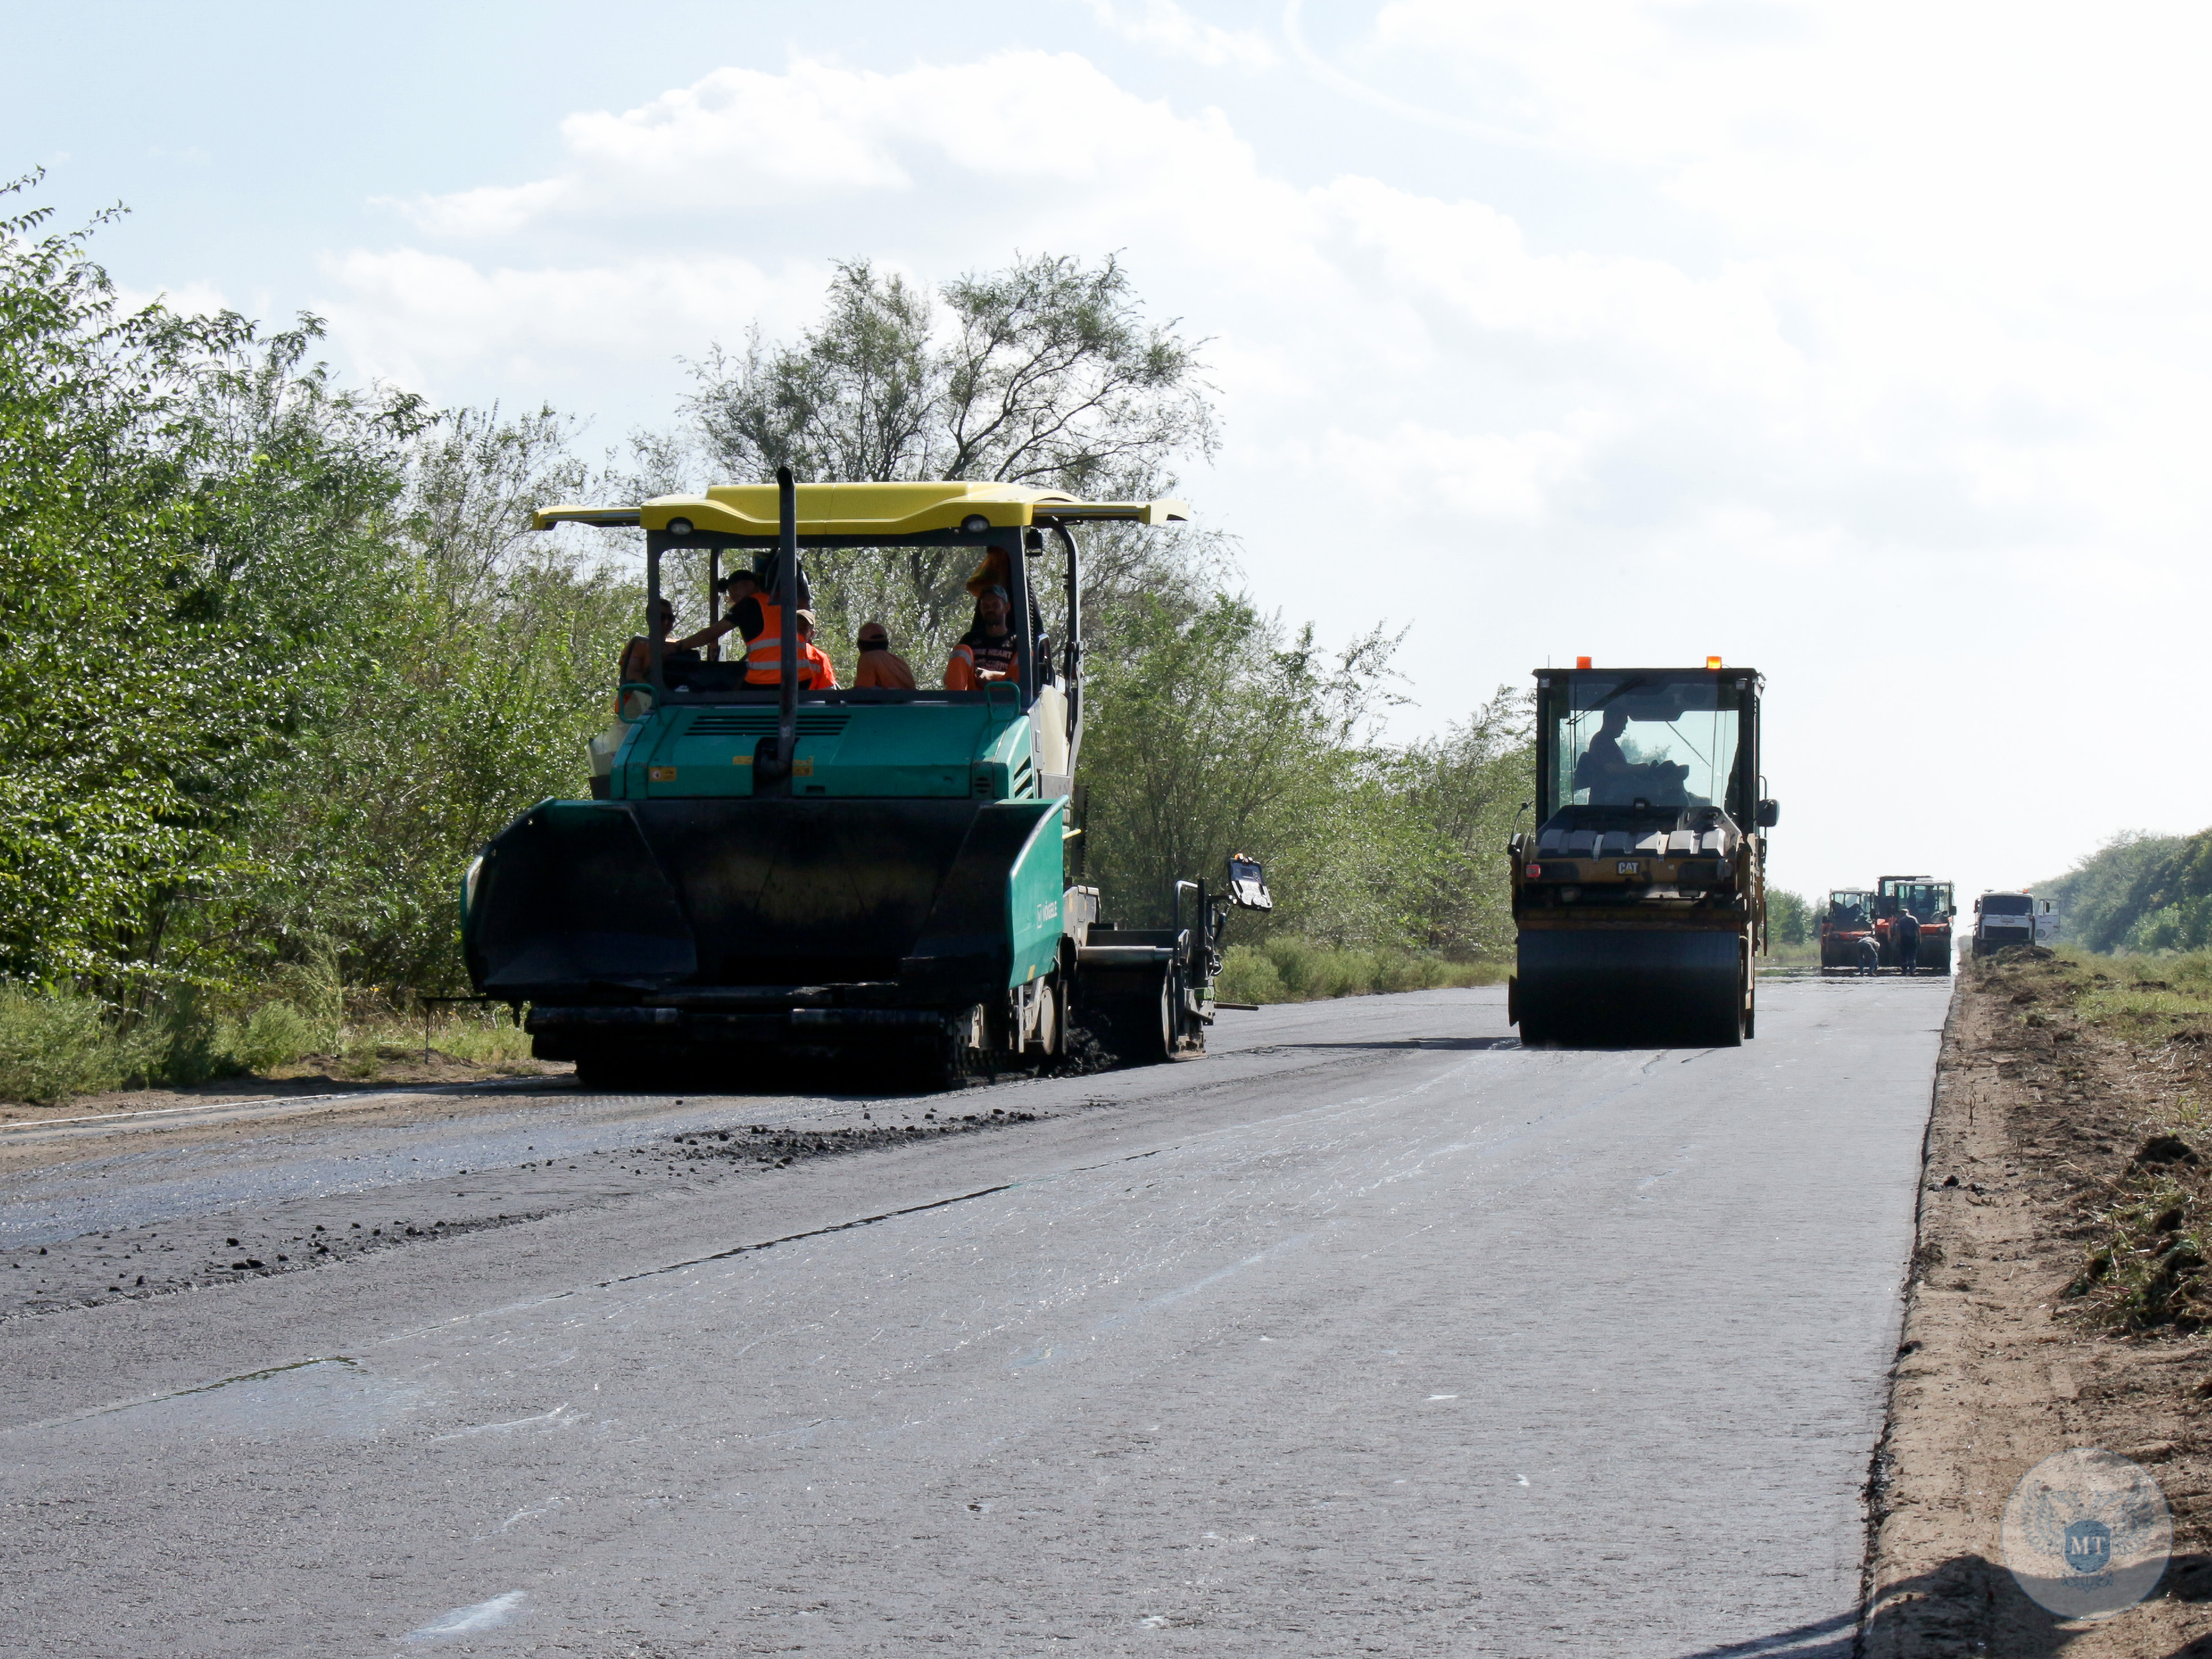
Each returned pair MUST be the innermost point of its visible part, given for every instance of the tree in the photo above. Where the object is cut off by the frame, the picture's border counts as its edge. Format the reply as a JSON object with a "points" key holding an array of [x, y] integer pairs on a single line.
{"points": [[492, 667], [1044, 374], [1790, 918], [187, 536]]}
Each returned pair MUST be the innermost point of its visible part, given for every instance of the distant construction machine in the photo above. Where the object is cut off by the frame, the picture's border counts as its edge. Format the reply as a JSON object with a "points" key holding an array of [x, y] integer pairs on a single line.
{"points": [[2012, 918], [767, 869], [1640, 895], [1931, 905], [1849, 919]]}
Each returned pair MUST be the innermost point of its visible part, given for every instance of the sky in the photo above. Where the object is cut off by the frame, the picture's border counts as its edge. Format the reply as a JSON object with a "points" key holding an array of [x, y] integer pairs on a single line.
{"points": [[1867, 344]]}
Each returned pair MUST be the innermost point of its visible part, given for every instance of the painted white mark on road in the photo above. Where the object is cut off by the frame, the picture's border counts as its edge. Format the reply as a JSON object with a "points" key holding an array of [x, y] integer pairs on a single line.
{"points": [[1443, 1396], [462, 1621]]}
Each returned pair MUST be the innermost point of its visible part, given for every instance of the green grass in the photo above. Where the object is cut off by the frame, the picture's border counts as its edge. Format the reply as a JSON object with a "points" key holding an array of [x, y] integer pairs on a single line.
{"points": [[1790, 956], [56, 1045], [1288, 968], [2144, 998]]}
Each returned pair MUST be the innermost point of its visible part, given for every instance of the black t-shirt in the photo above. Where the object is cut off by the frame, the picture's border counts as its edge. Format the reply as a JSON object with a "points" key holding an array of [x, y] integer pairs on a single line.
{"points": [[994, 655]]}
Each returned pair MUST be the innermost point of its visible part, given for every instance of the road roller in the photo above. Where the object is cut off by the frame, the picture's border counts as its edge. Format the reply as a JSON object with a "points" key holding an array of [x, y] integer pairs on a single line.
{"points": [[1849, 918], [1639, 894]]}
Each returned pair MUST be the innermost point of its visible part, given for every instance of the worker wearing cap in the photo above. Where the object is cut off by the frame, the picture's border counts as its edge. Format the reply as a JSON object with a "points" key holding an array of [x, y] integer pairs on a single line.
{"points": [[880, 667], [985, 651], [816, 672]]}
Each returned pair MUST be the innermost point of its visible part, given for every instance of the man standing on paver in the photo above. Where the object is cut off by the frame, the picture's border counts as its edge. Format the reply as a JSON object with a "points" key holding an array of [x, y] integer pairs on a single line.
{"points": [[1905, 928]]}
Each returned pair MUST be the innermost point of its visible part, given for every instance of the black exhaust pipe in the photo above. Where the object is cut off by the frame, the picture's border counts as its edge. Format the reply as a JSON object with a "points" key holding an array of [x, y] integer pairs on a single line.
{"points": [[786, 719]]}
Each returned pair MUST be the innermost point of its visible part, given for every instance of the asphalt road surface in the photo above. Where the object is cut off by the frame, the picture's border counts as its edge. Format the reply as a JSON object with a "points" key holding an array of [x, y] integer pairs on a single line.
{"points": [[1369, 1332]]}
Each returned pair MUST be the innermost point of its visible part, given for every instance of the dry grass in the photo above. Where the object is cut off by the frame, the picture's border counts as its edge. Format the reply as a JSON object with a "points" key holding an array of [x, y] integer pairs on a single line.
{"points": [[2117, 1047]]}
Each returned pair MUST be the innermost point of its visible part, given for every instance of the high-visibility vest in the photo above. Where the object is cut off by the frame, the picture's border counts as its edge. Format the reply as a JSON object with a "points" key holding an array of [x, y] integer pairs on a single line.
{"points": [[978, 652], [764, 651]]}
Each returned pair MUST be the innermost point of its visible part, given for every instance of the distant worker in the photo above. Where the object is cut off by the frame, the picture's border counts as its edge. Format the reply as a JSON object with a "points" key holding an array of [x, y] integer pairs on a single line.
{"points": [[741, 588], [760, 619], [985, 651], [636, 665], [880, 667], [816, 672], [1905, 931], [1870, 956]]}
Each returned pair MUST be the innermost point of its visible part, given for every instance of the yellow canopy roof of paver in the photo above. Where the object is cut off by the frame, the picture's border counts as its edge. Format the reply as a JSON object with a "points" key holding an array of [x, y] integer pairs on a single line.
{"points": [[889, 510]]}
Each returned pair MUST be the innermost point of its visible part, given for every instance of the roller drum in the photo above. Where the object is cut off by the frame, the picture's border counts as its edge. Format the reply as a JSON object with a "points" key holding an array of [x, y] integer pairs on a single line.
{"points": [[1630, 987]]}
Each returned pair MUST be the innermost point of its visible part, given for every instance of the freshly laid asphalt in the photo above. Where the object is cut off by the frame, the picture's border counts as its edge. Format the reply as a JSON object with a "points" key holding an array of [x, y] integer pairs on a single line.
{"points": [[1369, 1332]]}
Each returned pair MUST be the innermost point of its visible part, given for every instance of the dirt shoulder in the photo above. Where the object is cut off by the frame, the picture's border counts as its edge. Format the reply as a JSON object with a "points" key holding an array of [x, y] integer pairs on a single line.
{"points": [[2045, 1310]]}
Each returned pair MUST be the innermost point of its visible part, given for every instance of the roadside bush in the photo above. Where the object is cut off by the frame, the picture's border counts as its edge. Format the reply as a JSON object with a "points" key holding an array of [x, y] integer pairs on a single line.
{"points": [[55, 1046], [1248, 976], [497, 1041], [1291, 968], [274, 1034]]}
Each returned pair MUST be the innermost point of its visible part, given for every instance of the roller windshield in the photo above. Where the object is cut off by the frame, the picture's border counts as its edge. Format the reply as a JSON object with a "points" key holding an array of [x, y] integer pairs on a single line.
{"points": [[1928, 900], [1664, 743], [1851, 908]]}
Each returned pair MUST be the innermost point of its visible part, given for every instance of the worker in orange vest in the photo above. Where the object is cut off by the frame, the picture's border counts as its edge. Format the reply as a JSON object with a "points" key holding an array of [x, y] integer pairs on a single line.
{"points": [[880, 667], [760, 619], [816, 672]]}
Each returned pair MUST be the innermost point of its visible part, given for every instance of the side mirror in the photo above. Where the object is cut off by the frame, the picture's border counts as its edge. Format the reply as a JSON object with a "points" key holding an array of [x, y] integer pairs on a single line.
{"points": [[1247, 884], [1769, 814]]}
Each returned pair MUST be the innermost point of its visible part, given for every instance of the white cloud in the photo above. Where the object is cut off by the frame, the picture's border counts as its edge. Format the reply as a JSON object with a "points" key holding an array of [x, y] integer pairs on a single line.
{"points": [[1165, 27], [1935, 367], [188, 300], [431, 320], [741, 141]]}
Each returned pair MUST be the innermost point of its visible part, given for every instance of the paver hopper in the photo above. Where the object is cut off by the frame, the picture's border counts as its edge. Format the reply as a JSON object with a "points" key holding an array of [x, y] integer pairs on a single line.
{"points": [[1640, 895], [773, 868]]}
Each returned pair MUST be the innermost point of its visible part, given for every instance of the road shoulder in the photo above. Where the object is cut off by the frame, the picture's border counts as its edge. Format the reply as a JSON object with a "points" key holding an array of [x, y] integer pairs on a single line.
{"points": [[2036, 1125]]}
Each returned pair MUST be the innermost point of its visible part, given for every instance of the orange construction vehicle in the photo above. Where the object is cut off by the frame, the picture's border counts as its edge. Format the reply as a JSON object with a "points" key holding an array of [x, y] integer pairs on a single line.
{"points": [[1928, 900], [1849, 919]]}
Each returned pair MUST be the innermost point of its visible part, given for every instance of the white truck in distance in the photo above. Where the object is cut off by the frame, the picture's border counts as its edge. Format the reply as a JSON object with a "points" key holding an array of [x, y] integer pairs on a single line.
{"points": [[2002, 918]]}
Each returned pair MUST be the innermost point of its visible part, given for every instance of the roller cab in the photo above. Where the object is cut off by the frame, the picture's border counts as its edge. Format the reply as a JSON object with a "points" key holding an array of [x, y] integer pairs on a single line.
{"points": [[1639, 896]]}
